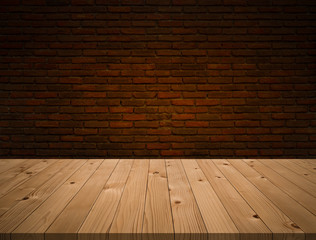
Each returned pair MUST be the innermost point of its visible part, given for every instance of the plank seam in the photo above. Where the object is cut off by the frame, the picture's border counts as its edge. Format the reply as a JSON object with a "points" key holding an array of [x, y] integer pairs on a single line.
{"points": [[239, 193], [167, 176], [46, 198], [73, 198], [265, 194], [92, 205], [118, 204], [282, 188], [194, 198]]}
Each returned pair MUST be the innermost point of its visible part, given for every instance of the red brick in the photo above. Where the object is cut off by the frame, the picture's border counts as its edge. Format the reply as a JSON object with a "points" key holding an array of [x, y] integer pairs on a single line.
{"points": [[222, 138], [183, 116], [207, 102], [85, 131], [45, 95], [168, 95], [146, 124], [121, 109], [171, 153], [134, 117], [121, 124], [96, 124], [71, 138], [250, 152], [233, 102], [121, 139], [96, 109], [197, 124], [83, 102], [109, 80], [159, 131], [158, 145], [46, 124], [183, 145], [183, 102]]}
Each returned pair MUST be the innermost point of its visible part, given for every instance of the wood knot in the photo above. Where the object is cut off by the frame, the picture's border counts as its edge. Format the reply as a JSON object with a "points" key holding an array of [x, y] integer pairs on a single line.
{"points": [[217, 176], [314, 168], [256, 216], [294, 225], [177, 202], [251, 165], [262, 176], [200, 180], [29, 172], [305, 174], [72, 182], [196, 168], [156, 172], [225, 163], [25, 198]]}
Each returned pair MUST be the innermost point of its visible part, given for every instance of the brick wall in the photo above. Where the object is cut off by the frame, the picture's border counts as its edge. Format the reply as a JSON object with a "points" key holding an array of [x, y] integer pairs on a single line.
{"points": [[157, 78]]}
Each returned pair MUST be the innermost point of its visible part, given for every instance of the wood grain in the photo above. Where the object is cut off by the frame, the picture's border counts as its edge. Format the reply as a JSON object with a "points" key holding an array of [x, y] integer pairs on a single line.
{"points": [[68, 223], [97, 224], [158, 223], [187, 219], [297, 169], [20, 211], [281, 226], [244, 216], [294, 177], [217, 220], [157, 199], [13, 182], [131, 205], [301, 216], [45, 214], [304, 198]]}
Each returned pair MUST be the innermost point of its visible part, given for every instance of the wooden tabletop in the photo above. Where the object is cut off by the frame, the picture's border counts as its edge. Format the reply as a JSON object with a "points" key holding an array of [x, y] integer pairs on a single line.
{"points": [[159, 199]]}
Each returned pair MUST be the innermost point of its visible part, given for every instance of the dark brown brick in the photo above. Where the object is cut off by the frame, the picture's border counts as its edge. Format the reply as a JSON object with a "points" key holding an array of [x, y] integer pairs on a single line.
{"points": [[149, 78]]}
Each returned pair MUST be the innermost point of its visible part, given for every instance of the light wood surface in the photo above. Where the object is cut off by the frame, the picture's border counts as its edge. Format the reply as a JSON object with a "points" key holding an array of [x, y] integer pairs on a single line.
{"points": [[68, 223], [216, 218], [298, 169], [243, 216], [157, 199], [158, 223]]}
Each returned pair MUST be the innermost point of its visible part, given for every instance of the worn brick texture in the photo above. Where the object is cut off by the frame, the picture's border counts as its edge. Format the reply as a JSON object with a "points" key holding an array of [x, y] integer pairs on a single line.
{"points": [[157, 78]]}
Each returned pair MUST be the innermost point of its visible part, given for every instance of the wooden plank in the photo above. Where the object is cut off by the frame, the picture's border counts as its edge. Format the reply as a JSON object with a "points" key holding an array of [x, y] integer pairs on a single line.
{"points": [[298, 180], [280, 225], [241, 213], [158, 223], [17, 169], [23, 176], [187, 219], [16, 214], [217, 221], [297, 169], [304, 198], [37, 223], [98, 222], [15, 196], [311, 161], [305, 164], [296, 212], [132, 204], [67, 224], [6, 164]]}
